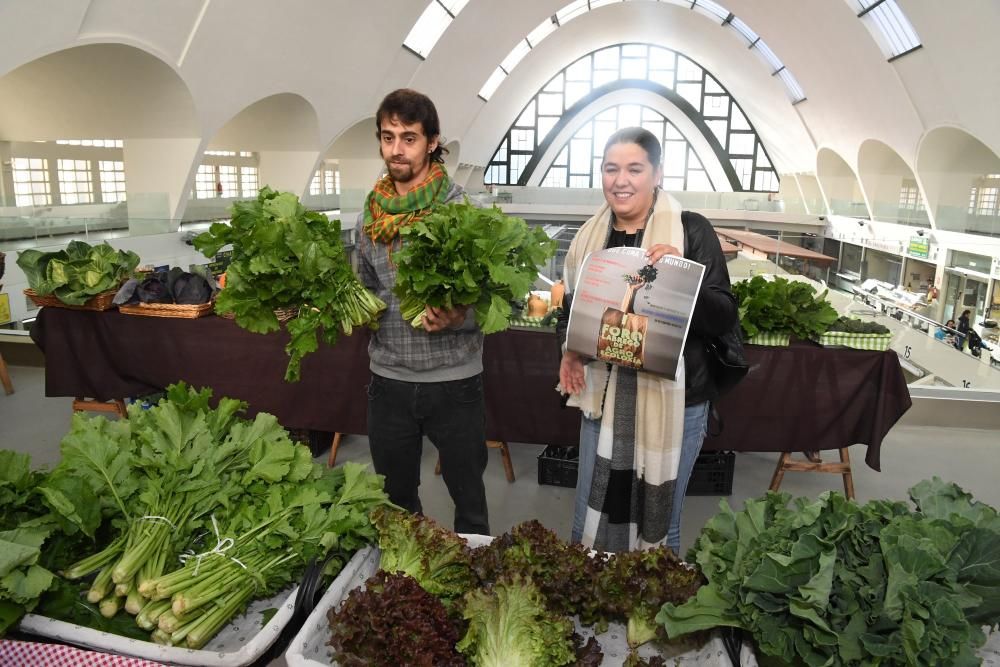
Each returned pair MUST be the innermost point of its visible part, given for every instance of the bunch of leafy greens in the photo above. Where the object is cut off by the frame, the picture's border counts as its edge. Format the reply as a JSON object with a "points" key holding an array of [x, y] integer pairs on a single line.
{"points": [[77, 273], [857, 326], [511, 626], [393, 621], [462, 255], [287, 257], [43, 518], [437, 558], [247, 508], [830, 582], [782, 306]]}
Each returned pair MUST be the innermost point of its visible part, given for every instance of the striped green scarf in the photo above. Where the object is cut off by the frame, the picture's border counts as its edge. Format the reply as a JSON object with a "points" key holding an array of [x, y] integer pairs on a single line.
{"points": [[386, 212]]}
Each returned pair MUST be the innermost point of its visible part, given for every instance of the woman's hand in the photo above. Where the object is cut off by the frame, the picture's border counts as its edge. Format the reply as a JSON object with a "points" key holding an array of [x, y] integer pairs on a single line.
{"points": [[439, 319], [654, 254], [571, 373]]}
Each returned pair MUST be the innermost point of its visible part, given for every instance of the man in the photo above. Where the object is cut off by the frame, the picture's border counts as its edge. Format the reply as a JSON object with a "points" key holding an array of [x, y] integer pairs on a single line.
{"points": [[424, 381]]}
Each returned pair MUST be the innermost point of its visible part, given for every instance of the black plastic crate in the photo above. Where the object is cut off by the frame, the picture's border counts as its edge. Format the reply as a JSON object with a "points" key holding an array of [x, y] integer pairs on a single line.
{"points": [[712, 474], [557, 466]]}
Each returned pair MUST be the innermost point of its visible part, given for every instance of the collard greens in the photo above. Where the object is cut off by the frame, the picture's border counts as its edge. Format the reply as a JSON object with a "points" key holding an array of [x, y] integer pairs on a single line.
{"points": [[830, 582]]}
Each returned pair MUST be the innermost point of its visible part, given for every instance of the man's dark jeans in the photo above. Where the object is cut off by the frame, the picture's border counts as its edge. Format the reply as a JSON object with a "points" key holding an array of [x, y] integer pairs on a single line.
{"points": [[453, 416]]}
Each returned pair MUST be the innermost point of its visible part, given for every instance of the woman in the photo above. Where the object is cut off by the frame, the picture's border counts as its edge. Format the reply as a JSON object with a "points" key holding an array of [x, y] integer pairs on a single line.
{"points": [[944, 334], [635, 421]]}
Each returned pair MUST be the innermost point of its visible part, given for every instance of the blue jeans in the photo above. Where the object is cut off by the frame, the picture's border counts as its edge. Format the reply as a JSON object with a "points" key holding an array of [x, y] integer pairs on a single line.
{"points": [[695, 427]]}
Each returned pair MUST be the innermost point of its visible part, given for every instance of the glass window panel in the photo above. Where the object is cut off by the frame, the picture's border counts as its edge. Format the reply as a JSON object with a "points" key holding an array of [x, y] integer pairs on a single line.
{"points": [[515, 55], [896, 29], [662, 77], [661, 58], [711, 9], [762, 160], [563, 159], [595, 169], [586, 130], [744, 171], [766, 181], [692, 93], [673, 183], [555, 85], [672, 132], [602, 77], [579, 156], [712, 86], [37, 163], [575, 91], [629, 115], [21, 163], [522, 140], [571, 11], [579, 181], [502, 171], [633, 68], [687, 70], [654, 126], [249, 181], [765, 52], [610, 115], [527, 117], [635, 51], [543, 30], [698, 181], [741, 144], [555, 178], [602, 132], [428, 29], [502, 153], [739, 121], [315, 186], [743, 29], [517, 164], [580, 70], [454, 6], [43, 187], [594, 4], [606, 58], [718, 128], [545, 125], [492, 83], [716, 105], [550, 104], [673, 158]]}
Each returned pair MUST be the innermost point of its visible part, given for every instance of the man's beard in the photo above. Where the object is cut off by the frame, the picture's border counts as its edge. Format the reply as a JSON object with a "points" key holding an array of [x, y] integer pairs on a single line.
{"points": [[403, 172]]}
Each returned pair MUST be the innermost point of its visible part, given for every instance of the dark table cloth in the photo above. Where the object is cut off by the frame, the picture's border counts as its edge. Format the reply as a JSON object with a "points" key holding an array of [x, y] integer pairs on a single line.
{"points": [[797, 398]]}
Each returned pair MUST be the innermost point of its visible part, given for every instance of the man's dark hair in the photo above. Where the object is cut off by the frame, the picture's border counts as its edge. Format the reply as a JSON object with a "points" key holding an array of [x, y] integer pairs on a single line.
{"points": [[412, 107], [637, 135]]}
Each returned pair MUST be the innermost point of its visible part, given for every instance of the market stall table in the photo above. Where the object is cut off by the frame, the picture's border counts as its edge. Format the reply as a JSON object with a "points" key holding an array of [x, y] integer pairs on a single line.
{"points": [[798, 397]]}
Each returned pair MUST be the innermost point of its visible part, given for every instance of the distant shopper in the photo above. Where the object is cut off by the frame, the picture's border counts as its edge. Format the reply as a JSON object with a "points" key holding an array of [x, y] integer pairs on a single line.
{"points": [[424, 381], [963, 329], [641, 433], [944, 333]]}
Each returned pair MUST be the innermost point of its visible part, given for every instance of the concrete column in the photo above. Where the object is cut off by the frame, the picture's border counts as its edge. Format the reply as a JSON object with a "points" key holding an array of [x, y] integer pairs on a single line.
{"points": [[159, 174]]}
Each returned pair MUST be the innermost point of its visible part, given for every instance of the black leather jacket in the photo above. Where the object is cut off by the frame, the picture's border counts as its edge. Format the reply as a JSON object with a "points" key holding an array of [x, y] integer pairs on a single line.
{"points": [[714, 313]]}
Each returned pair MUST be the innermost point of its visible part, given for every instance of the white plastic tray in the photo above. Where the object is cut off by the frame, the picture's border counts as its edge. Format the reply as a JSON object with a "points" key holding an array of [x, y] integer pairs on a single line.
{"points": [[310, 649], [245, 639]]}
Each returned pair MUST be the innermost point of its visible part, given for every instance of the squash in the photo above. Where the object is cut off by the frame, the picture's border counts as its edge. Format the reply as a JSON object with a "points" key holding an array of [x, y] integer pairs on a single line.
{"points": [[558, 290]]}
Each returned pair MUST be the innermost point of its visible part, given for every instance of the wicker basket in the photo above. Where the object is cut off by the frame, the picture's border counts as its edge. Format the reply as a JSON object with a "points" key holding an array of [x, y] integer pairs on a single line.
{"points": [[283, 314], [176, 310], [102, 301]]}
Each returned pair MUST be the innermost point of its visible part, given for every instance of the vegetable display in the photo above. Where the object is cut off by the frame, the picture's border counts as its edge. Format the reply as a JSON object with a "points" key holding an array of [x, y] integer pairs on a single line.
{"points": [[77, 273], [831, 582], [287, 257], [858, 326], [462, 255], [201, 511], [782, 306], [512, 600], [175, 286]]}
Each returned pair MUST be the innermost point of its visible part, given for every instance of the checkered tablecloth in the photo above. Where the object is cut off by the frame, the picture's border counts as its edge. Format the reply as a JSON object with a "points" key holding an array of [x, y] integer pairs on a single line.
{"points": [[22, 654], [770, 338]]}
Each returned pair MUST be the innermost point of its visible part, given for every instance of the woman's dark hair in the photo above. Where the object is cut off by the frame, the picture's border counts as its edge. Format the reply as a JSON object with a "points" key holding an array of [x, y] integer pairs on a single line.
{"points": [[966, 312], [412, 107], [637, 135]]}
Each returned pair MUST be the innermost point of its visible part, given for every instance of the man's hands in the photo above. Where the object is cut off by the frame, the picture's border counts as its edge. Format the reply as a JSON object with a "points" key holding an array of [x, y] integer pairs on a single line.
{"points": [[571, 372], [439, 319]]}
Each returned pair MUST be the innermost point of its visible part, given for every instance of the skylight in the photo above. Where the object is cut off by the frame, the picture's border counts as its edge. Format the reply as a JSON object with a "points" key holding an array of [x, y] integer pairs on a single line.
{"points": [[431, 25]]}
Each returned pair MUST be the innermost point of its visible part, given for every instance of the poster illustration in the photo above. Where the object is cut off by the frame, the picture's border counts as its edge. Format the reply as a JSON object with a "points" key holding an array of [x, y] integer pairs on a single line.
{"points": [[631, 313]]}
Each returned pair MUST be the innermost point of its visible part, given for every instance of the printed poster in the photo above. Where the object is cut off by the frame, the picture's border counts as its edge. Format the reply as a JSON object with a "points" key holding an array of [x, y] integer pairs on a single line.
{"points": [[631, 313]]}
